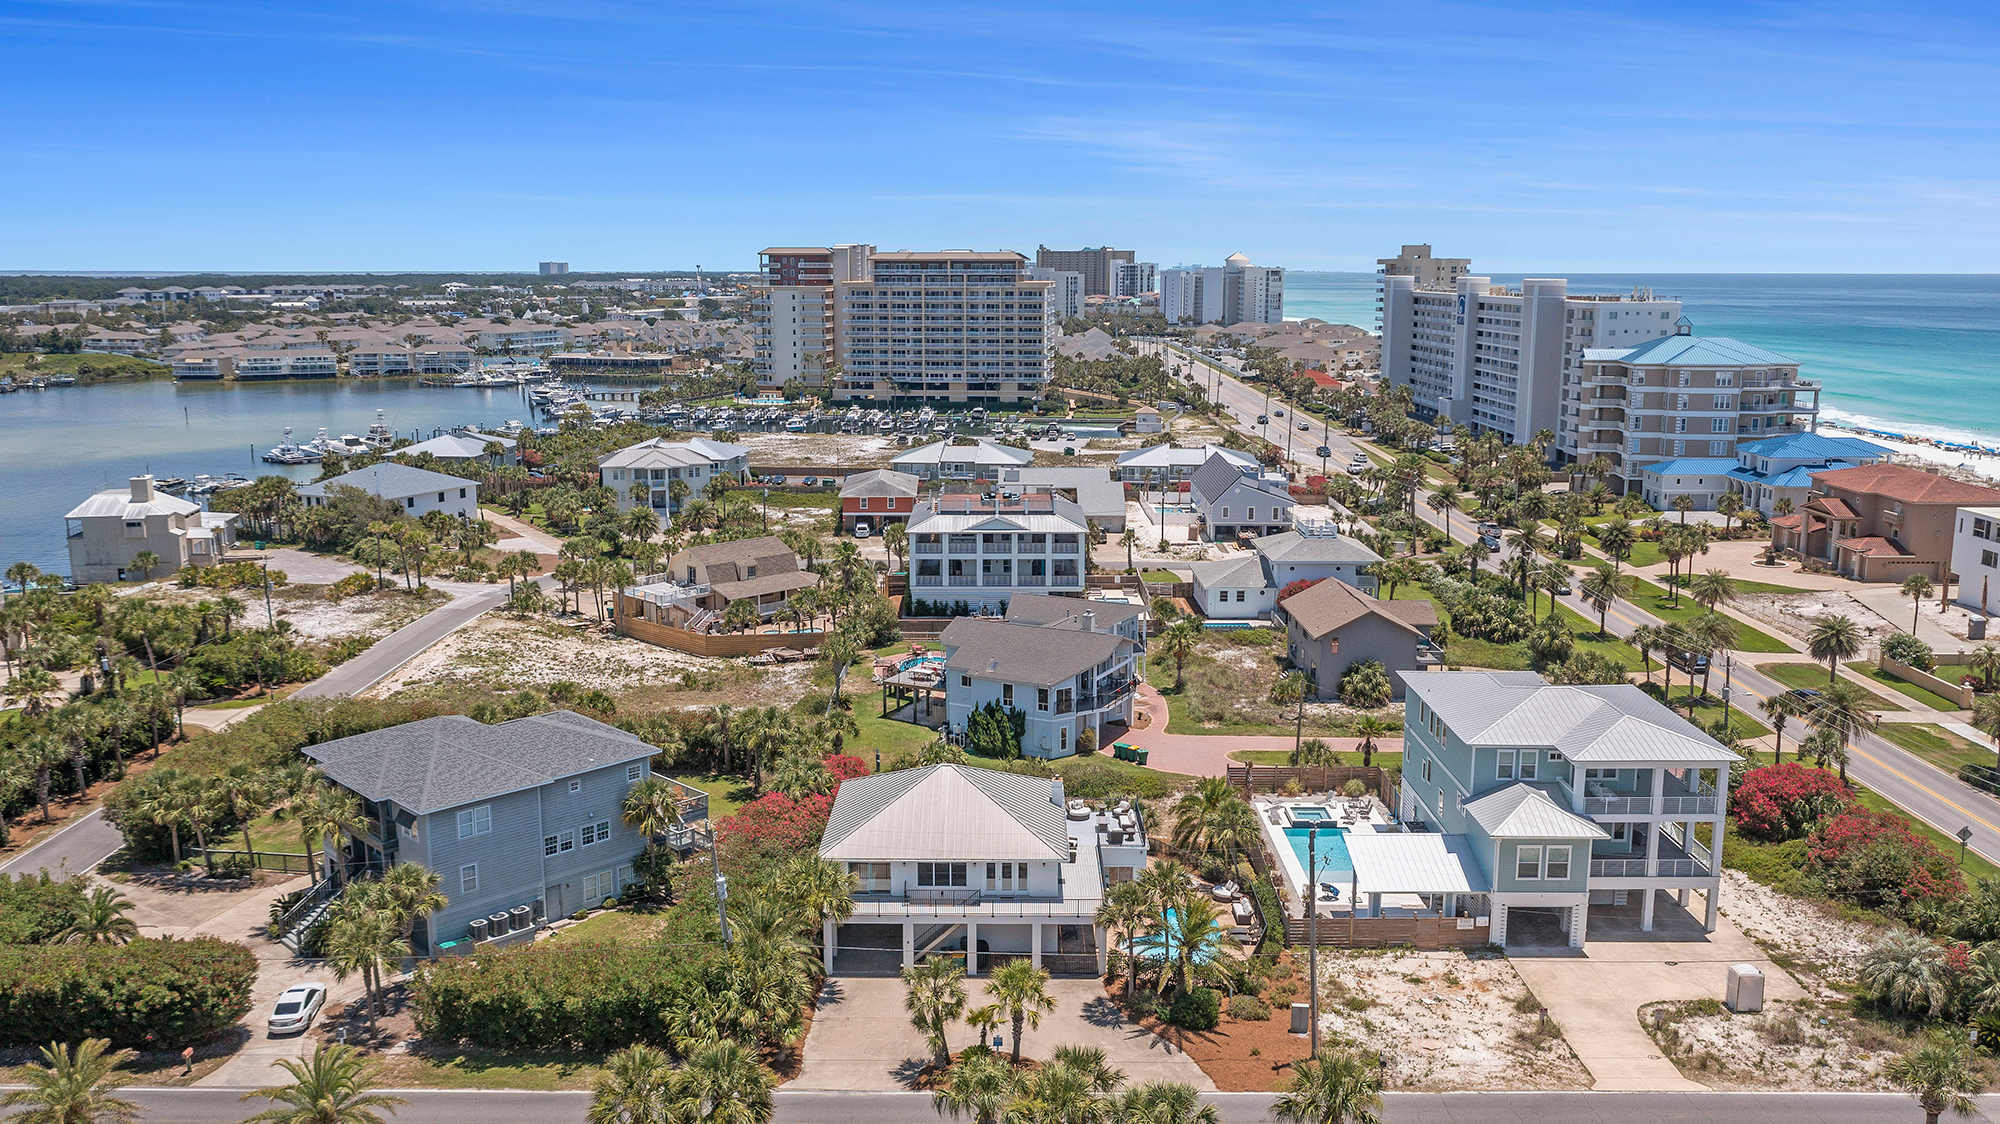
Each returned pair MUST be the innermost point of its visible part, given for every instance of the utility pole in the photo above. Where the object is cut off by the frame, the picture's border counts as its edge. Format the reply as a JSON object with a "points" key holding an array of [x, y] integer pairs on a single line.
{"points": [[1728, 666], [270, 623], [1312, 938], [721, 887]]}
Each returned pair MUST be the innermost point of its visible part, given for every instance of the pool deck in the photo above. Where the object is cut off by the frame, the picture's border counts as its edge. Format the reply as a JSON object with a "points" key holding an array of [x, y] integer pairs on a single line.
{"points": [[1272, 820]]}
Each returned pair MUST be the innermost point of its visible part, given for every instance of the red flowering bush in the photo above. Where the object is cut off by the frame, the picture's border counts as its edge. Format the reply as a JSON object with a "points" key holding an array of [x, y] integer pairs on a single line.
{"points": [[844, 767], [1874, 859], [1780, 802]]}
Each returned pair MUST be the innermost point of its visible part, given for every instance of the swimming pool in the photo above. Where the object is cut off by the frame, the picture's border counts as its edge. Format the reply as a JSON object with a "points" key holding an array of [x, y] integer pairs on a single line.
{"points": [[1308, 813], [915, 660], [1334, 864], [1159, 946]]}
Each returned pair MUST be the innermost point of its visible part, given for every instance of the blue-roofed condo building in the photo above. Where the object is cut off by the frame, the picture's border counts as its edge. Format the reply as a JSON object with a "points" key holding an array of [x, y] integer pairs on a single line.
{"points": [[1761, 473], [1688, 401], [519, 820], [1567, 798]]}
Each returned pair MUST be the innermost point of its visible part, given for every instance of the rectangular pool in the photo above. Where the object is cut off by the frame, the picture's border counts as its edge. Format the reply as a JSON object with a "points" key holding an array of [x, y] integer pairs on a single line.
{"points": [[1334, 864]]}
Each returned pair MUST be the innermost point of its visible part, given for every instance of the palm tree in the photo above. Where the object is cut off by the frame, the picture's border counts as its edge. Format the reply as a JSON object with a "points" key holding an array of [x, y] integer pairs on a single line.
{"points": [[1126, 908], [1164, 1102], [1289, 691], [1712, 588], [1986, 716], [1616, 539], [71, 1087], [1338, 1089], [1907, 973], [1194, 939], [1916, 587], [410, 893], [331, 1087], [1444, 501], [1834, 640], [366, 940], [1021, 991], [979, 1086], [1177, 643], [101, 919], [1069, 1089], [1778, 710], [145, 562], [1210, 815], [30, 689], [1940, 1074], [818, 888], [632, 1089], [244, 791], [327, 814], [1604, 586], [721, 1083], [1825, 746], [934, 999], [652, 806], [1368, 727], [1128, 540]]}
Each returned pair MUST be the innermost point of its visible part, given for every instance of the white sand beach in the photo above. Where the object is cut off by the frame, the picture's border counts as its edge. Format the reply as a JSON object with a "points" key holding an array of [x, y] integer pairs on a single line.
{"points": [[1984, 465]]}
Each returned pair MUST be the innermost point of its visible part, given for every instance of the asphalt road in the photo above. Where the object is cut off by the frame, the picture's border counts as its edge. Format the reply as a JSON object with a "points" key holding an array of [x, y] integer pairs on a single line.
{"points": [[202, 1106], [72, 851]]}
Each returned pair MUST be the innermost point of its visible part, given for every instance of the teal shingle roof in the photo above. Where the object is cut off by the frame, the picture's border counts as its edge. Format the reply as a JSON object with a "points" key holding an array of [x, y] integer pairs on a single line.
{"points": [[1690, 466], [1693, 351]]}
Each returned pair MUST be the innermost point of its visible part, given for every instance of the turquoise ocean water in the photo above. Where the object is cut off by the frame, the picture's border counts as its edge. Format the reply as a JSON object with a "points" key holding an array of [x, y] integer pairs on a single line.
{"points": [[1910, 354]]}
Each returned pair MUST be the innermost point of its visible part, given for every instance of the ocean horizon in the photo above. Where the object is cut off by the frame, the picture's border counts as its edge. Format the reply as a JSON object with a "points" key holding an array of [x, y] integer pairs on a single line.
{"points": [[1907, 353]]}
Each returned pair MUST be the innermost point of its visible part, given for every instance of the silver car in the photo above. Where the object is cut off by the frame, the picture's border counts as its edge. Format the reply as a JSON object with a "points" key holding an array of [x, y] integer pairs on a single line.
{"points": [[296, 1008]]}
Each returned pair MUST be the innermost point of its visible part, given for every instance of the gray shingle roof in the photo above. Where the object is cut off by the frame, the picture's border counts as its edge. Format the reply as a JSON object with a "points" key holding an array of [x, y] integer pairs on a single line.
{"points": [[390, 481], [1011, 652], [1244, 570], [1293, 547], [1219, 474], [945, 812], [450, 761], [879, 482], [1047, 608]]}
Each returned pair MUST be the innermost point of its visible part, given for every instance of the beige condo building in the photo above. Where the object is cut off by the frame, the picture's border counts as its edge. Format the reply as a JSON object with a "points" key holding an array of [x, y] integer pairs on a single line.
{"points": [[956, 326]]}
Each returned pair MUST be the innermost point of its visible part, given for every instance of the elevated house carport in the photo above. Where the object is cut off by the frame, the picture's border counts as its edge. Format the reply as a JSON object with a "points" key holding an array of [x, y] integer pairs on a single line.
{"points": [[1416, 873]]}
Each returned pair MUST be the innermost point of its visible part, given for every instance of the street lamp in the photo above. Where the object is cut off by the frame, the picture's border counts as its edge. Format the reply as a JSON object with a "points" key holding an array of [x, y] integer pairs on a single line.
{"points": [[1312, 938]]}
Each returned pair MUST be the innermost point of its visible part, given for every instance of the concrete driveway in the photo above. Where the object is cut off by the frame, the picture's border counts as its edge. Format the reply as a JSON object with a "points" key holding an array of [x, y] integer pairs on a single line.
{"points": [[862, 1039], [1595, 995]]}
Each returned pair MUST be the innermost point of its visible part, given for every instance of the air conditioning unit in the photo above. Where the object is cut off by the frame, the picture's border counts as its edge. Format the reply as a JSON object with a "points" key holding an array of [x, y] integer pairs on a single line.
{"points": [[477, 929], [521, 917], [496, 923]]}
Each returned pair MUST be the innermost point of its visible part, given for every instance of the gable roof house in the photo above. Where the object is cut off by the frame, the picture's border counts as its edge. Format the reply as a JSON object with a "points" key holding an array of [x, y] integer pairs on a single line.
{"points": [[464, 445], [980, 549], [1879, 522], [106, 532], [1569, 798], [520, 820], [960, 861], [876, 496], [762, 570], [1330, 626], [1071, 677], [1246, 586], [643, 475], [415, 490], [1232, 502], [942, 460]]}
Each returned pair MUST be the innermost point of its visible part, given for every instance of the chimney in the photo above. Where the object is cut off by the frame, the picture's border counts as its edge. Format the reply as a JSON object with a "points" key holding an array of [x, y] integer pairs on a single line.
{"points": [[142, 489], [1090, 620], [1056, 794]]}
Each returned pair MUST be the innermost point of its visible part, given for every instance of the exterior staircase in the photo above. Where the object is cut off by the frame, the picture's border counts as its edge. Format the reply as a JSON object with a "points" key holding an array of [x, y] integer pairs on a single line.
{"points": [[307, 911]]}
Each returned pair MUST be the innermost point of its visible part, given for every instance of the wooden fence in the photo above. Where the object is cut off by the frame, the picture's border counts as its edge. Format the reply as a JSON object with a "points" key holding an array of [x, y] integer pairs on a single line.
{"points": [[1427, 933], [1312, 778], [707, 644]]}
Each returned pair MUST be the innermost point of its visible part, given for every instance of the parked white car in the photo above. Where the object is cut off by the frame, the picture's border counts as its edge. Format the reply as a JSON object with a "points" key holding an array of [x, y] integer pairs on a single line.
{"points": [[296, 1009], [862, 529]]}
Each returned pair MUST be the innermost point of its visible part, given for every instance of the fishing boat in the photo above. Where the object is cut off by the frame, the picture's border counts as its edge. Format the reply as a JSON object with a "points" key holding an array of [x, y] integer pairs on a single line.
{"points": [[285, 452], [379, 435]]}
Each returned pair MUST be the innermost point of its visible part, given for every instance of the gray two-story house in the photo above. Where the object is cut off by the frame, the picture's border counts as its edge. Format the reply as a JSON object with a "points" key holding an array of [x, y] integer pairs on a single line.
{"points": [[1071, 676], [522, 813], [1566, 796]]}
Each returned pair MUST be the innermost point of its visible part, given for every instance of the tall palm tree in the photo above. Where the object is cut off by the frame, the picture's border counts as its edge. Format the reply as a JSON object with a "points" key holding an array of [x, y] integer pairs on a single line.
{"points": [[633, 1088], [245, 791], [102, 919], [1604, 586], [722, 1083], [71, 1086], [1164, 1102], [1289, 692], [979, 1086], [326, 815], [1916, 587], [1834, 640], [1021, 991], [1986, 716], [1368, 727], [1209, 816], [651, 807], [365, 940], [1778, 710], [410, 893], [1337, 1089], [1712, 588], [330, 1087], [1126, 908], [1178, 643], [1073, 1087], [935, 997], [1194, 939], [818, 888], [1940, 1074]]}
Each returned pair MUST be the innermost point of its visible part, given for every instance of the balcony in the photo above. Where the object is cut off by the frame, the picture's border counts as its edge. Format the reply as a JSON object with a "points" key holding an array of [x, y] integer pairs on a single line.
{"points": [[997, 581], [1662, 867], [928, 548]]}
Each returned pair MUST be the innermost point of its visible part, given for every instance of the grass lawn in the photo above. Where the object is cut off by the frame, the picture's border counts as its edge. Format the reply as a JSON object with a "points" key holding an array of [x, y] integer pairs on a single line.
{"points": [[614, 926], [1922, 694], [1744, 585], [1160, 576], [1812, 677], [87, 368], [468, 1067], [1284, 757], [891, 737], [1663, 605], [1935, 744], [1708, 709], [1643, 553], [1463, 651], [272, 831], [232, 704], [725, 793]]}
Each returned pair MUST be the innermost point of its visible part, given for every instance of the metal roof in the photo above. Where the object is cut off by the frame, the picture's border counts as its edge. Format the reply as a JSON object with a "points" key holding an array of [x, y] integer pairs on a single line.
{"points": [[118, 504], [390, 481], [1164, 456], [660, 453], [954, 812], [1048, 608], [1691, 351], [1298, 549], [1614, 723], [450, 761], [1522, 811], [1236, 570], [878, 482], [1812, 446], [1690, 466], [1395, 862], [983, 453]]}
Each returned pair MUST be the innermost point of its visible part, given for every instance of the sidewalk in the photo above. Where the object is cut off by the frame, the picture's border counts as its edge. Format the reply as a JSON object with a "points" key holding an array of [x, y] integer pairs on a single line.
{"points": [[520, 535]]}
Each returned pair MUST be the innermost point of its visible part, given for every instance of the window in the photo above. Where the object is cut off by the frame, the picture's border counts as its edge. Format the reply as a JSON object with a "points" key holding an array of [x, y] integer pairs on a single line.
{"points": [[596, 832], [1250, 513], [940, 874], [1528, 863], [551, 845], [1989, 558], [440, 497], [633, 772], [1504, 768], [1427, 768], [599, 886], [461, 493], [468, 878], [475, 821], [1041, 698], [965, 680], [575, 787], [565, 842], [1006, 877], [1528, 764], [1225, 513], [1557, 867], [1006, 694], [864, 503]]}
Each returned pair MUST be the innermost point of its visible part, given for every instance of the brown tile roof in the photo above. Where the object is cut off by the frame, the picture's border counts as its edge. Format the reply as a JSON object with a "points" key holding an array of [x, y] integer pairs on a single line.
{"points": [[1788, 522], [1833, 506], [1329, 605], [1910, 485], [1873, 546]]}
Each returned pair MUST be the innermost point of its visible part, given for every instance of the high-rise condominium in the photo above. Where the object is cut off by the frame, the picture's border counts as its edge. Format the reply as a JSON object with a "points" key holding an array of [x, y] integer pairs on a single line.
{"points": [[1134, 278], [1237, 292], [794, 328], [1416, 261], [1498, 358], [552, 268], [1097, 264], [1067, 294], [955, 326]]}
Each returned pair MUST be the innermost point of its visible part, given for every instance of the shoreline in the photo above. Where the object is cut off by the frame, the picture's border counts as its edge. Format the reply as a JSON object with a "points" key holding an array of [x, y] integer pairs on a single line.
{"points": [[1981, 464]]}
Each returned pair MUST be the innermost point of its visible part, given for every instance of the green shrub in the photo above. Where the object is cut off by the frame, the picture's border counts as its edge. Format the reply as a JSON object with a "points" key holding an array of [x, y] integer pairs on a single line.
{"points": [[35, 907], [1907, 649], [562, 998], [1196, 1009], [149, 994], [1248, 1007]]}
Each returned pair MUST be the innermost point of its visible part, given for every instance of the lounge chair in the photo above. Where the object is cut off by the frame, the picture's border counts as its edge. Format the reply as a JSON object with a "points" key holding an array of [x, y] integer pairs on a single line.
{"points": [[1331, 891]]}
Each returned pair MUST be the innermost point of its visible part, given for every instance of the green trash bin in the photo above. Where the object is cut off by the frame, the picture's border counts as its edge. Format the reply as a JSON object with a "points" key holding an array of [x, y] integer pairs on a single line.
{"points": [[1139, 755], [1121, 751]]}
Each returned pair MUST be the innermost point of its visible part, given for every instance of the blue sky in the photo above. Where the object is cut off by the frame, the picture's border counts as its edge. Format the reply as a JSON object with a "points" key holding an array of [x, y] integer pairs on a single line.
{"points": [[211, 134]]}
